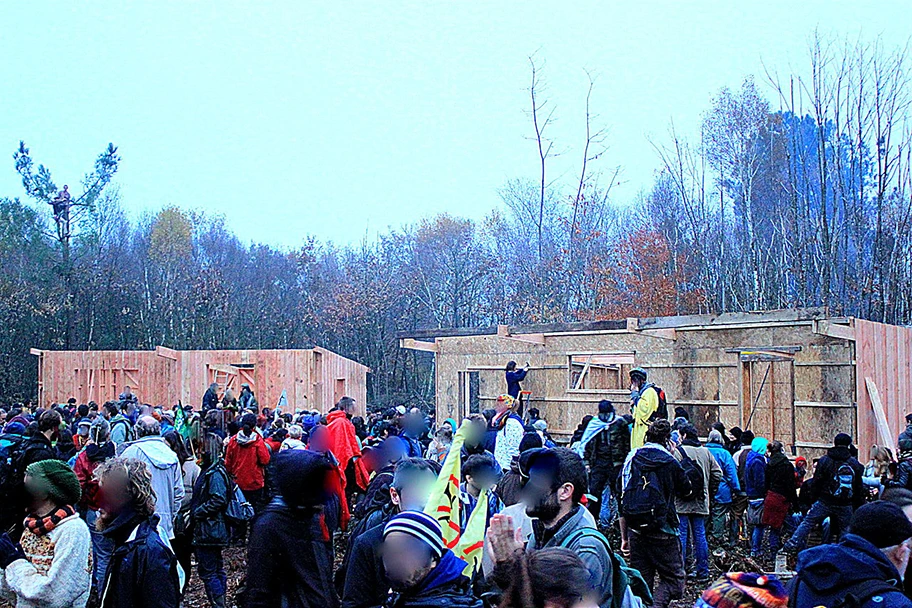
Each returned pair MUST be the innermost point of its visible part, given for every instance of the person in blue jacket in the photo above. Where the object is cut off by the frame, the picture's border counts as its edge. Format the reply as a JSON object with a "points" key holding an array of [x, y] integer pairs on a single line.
{"points": [[514, 377], [868, 564], [755, 485], [728, 489]]}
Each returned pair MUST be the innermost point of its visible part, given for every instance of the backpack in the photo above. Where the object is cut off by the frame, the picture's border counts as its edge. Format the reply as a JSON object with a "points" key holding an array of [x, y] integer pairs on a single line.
{"points": [[10, 464], [642, 503], [694, 474], [843, 482], [629, 588], [661, 412], [619, 440], [853, 596]]}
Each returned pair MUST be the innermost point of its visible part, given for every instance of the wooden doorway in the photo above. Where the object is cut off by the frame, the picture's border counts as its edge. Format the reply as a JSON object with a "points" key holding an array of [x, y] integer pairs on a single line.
{"points": [[768, 395]]}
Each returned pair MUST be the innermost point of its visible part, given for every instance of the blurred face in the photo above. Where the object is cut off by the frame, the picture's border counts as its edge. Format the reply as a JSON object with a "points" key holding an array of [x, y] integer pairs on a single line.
{"points": [[407, 560], [113, 498], [36, 492], [541, 496], [414, 495]]}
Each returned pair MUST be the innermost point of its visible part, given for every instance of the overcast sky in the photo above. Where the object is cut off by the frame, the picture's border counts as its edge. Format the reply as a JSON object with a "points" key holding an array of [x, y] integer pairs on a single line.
{"points": [[339, 119]]}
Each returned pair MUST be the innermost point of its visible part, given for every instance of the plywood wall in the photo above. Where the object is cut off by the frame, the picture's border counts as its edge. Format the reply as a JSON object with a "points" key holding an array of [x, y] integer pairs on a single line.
{"points": [[700, 371], [312, 378], [884, 354]]}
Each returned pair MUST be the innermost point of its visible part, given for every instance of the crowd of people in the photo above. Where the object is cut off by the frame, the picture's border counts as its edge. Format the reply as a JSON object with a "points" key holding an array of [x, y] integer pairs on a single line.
{"points": [[118, 505]]}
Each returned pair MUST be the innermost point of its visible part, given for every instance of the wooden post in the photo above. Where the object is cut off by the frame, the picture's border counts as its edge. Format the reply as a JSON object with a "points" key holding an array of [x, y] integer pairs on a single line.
{"points": [[883, 429]]}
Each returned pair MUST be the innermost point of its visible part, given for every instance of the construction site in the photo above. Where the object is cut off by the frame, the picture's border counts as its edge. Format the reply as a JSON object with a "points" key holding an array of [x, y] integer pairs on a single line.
{"points": [[797, 376]]}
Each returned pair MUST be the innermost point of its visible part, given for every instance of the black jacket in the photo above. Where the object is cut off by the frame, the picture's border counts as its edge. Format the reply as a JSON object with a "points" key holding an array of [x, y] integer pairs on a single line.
{"points": [[903, 477], [780, 477], [825, 474], [36, 448], [444, 587], [672, 480], [289, 559], [826, 574], [142, 572], [210, 501], [366, 584]]}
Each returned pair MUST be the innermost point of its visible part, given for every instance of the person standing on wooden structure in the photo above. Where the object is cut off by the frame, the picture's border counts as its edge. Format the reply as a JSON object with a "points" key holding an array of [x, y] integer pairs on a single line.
{"points": [[514, 377]]}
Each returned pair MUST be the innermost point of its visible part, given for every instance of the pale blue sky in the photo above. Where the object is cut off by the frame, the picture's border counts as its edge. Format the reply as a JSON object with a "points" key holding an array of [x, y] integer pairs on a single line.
{"points": [[339, 119]]}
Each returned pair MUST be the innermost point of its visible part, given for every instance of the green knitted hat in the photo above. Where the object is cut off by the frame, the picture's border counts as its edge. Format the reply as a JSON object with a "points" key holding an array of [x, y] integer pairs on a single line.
{"points": [[57, 479]]}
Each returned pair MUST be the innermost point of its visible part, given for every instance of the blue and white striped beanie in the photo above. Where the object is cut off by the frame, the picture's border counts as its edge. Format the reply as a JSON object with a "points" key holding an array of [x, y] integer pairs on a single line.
{"points": [[418, 525]]}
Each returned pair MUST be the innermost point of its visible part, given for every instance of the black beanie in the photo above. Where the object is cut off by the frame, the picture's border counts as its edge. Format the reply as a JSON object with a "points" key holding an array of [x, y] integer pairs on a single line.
{"points": [[530, 441], [882, 524], [301, 477], [843, 439]]}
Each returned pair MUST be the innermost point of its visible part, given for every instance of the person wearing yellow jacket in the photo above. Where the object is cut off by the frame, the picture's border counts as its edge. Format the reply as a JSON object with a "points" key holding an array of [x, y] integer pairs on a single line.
{"points": [[645, 402]]}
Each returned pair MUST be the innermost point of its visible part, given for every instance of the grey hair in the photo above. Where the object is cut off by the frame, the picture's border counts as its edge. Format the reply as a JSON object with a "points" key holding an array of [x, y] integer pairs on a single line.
{"points": [[715, 437], [147, 426], [100, 431], [295, 431]]}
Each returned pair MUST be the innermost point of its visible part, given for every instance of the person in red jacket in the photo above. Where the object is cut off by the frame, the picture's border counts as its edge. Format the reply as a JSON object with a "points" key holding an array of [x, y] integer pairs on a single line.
{"points": [[246, 458]]}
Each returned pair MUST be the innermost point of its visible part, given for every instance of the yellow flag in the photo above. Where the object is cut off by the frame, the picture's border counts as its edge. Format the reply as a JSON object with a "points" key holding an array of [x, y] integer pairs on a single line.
{"points": [[443, 505], [471, 544]]}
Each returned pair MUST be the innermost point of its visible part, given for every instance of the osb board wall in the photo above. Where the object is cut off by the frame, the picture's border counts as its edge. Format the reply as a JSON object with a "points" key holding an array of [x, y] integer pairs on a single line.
{"points": [[695, 370], [313, 379], [884, 354]]}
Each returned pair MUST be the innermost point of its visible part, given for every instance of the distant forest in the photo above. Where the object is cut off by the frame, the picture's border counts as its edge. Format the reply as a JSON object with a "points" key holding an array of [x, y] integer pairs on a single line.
{"points": [[796, 191]]}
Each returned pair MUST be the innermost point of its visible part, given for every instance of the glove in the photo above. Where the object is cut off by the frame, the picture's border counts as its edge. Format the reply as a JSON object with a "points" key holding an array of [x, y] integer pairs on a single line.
{"points": [[9, 551]]}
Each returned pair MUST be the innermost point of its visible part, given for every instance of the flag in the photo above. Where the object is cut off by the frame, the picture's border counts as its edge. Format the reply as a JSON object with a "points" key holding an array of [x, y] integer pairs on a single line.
{"points": [[180, 422], [444, 504], [471, 544], [283, 399]]}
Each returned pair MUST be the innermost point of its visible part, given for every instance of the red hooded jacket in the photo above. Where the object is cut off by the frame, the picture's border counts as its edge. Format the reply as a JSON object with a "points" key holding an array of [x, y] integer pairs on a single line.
{"points": [[246, 460], [343, 443]]}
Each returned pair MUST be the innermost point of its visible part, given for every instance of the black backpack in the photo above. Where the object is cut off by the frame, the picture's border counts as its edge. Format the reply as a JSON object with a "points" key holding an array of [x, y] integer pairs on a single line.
{"points": [[642, 503], [661, 412], [844, 482], [694, 474]]}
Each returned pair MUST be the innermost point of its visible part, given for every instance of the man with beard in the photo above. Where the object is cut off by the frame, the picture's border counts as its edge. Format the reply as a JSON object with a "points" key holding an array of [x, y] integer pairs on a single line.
{"points": [[53, 565], [421, 571], [143, 571], [556, 482]]}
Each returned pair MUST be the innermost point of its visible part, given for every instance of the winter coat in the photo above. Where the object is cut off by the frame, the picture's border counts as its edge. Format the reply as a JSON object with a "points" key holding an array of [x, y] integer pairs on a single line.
{"points": [[513, 380], [712, 475], [598, 452], [825, 473], [366, 584], [903, 477], [210, 400], [444, 587], [246, 458], [210, 501], [57, 571], [247, 400], [36, 448], [673, 482], [86, 463], [729, 486], [646, 404], [826, 574], [780, 477], [290, 559], [142, 572], [509, 435], [167, 477], [755, 475], [619, 434], [345, 446], [591, 550], [121, 429]]}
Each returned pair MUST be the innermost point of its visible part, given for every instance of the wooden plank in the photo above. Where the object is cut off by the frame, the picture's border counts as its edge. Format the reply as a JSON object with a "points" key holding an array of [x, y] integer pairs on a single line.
{"points": [[883, 429], [412, 344], [822, 404], [733, 318], [167, 353], [833, 330], [36, 351]]}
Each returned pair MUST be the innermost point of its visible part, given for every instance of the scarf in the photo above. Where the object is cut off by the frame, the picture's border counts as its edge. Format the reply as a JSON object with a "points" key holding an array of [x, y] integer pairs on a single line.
{"points": [[39, 526], [595, 426]]}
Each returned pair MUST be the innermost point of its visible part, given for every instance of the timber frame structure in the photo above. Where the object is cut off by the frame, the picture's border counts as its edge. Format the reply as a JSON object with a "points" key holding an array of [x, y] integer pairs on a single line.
{"points": [[312, 379], [797, 376]]}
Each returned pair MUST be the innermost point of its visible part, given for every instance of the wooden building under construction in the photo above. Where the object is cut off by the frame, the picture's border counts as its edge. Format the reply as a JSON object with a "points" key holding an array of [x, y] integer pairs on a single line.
{"points": [[798, 376], [312, 379]]}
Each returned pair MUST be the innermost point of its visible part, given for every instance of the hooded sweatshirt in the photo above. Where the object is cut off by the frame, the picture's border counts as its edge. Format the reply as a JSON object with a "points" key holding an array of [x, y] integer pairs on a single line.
{"points": [[444, 587], [826, 574], [86, 463], [673, 481], [246, 458], [167, 477], [755, 469]]}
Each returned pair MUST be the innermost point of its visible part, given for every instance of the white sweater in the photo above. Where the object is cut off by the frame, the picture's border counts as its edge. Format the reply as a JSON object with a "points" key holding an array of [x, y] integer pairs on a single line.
{"points": [[57, 571]]}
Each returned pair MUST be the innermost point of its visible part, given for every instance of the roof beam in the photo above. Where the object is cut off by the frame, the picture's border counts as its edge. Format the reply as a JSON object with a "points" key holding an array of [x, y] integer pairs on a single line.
{"points": [[503, 331], [412, 344], [833, 330]]}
